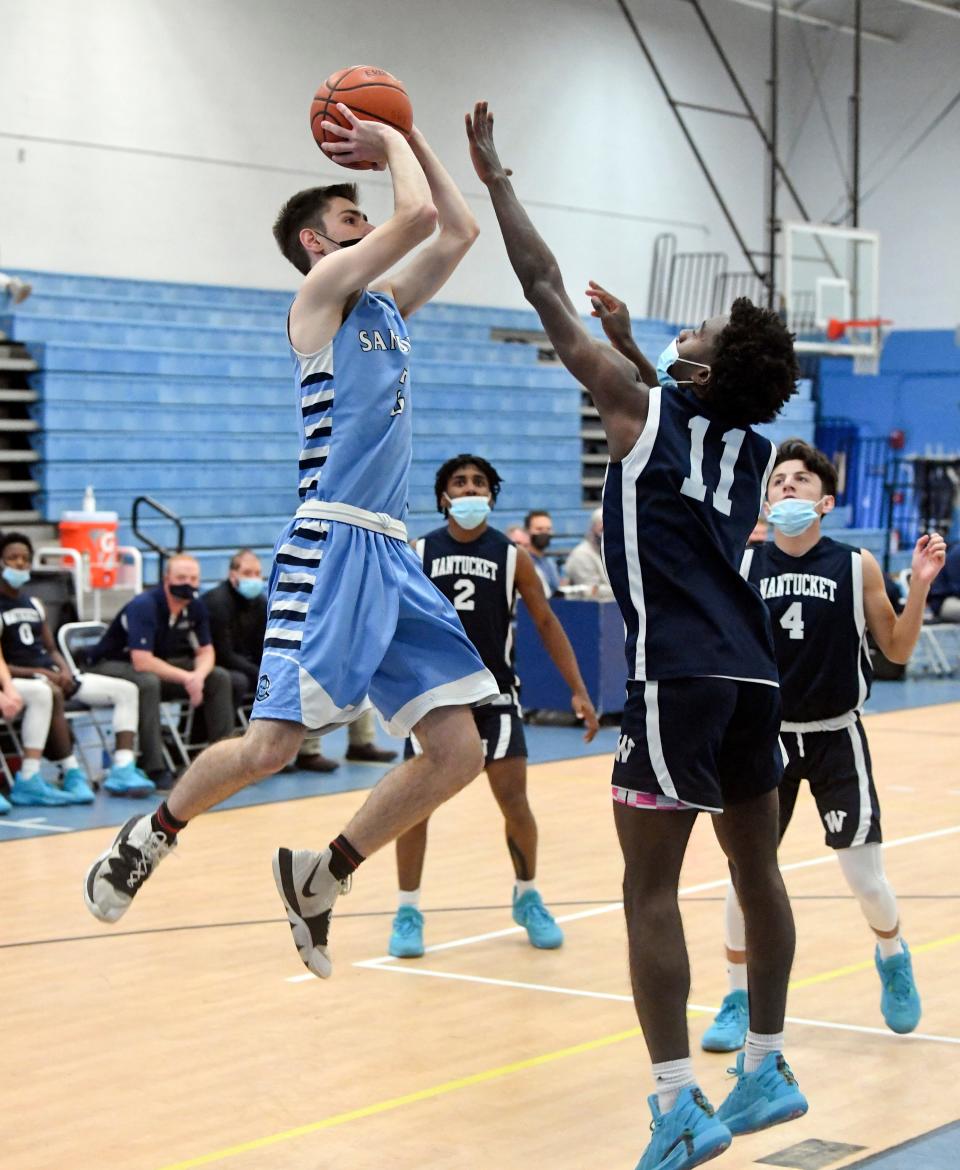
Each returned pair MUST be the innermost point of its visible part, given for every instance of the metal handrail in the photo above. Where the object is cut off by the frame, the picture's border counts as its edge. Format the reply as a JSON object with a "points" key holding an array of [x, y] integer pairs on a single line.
{"points": [[161, 550]]}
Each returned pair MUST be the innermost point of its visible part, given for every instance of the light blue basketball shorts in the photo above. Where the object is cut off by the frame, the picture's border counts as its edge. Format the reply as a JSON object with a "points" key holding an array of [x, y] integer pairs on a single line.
{"points": [[351, 614]]}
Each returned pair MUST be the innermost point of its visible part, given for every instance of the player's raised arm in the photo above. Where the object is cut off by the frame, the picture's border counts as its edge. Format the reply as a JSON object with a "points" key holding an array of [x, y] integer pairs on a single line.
{"points": [[615, 319], [611, 380], [414, 217], [897, 636], [428, 271]]}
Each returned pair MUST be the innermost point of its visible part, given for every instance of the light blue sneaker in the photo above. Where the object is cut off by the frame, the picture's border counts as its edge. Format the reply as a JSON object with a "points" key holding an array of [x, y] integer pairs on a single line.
{"points": [[36, 791], [530, 913], [688, 1135], [5, 805], [406, 938], [128, 781], [728, 1032], [77, 786], [899, 1000], [762, 1098]]}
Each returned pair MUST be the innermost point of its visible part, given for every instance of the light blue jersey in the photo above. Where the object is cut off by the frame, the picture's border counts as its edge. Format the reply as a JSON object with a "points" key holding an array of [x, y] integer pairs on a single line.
{"points": [[350, 613], [356, 432]]}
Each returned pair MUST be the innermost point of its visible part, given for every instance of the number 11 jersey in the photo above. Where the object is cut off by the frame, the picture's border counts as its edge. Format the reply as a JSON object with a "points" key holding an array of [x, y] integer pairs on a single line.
{"points": [[677, 512]]}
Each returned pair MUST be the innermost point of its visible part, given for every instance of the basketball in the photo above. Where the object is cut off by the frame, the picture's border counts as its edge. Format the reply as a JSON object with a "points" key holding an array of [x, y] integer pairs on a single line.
{"points": [[371, 93]]}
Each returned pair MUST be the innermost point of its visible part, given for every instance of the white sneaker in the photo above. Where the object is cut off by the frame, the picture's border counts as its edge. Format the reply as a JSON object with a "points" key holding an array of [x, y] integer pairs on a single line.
{"points": [[308, 890], [117, 874]]}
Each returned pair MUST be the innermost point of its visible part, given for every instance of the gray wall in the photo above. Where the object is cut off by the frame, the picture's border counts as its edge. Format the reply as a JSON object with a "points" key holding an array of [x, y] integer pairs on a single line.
{"points": [[595, 150]]}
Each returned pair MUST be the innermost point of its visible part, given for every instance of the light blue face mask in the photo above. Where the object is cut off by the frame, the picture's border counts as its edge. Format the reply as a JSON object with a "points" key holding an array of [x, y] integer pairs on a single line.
{"points": [[793, 517], [250, 587], [15, 578], [669, 356], [469, 511]]}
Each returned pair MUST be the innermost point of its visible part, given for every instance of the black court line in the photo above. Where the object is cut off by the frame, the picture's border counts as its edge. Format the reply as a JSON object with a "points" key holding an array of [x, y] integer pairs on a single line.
{"points": [[107, 935], [887, 1157]]}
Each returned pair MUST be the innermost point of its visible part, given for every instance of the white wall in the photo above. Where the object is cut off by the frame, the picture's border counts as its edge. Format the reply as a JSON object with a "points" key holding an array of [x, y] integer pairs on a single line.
{"points": [[163, 89]]}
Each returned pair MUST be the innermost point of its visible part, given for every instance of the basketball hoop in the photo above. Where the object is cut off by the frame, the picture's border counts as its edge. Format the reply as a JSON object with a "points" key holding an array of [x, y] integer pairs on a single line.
{"points": [[836, 330]]}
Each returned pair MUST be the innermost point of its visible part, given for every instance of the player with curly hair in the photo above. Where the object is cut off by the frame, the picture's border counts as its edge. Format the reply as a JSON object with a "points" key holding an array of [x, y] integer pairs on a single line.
{"points": [[684, 487]]}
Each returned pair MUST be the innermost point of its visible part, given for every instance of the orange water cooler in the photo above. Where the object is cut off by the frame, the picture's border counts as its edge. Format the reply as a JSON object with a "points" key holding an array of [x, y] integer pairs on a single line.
{"points": [[94, 536]]}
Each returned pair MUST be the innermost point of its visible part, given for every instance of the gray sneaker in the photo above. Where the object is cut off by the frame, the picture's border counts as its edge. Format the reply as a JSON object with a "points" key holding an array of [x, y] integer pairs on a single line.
{"points": [[308, 890], [114, 878]]}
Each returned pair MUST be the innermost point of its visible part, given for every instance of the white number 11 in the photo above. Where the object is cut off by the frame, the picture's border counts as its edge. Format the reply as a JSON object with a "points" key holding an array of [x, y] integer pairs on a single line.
{"points": [[693, 484]]}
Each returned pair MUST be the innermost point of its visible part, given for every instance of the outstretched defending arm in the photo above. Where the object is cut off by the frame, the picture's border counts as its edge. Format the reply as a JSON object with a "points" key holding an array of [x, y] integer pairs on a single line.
{"points": [[611, 380], [615, 319]]}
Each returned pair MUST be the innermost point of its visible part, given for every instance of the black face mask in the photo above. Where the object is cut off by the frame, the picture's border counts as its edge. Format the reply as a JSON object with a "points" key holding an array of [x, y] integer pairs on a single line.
{"points": [[340, 243], [184, 592], [541, 540]]}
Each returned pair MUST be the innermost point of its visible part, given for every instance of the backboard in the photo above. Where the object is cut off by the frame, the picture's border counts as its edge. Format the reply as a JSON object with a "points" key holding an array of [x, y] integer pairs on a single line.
{"points": [[832, 274]]}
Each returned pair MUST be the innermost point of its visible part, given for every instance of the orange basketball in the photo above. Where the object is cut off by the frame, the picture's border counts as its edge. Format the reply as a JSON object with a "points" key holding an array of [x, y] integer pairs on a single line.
{"points": [[371, 93]]}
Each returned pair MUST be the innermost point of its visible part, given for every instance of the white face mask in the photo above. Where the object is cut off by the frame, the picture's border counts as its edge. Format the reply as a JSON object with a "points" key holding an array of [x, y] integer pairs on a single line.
{"points": [[668, 358], [469, 511], [793, 517]]}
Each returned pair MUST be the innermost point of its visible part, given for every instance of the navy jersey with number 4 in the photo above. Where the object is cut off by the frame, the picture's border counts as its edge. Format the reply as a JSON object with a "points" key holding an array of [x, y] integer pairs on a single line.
{"points": [[677, 512], [819, 628], [478, 577]]}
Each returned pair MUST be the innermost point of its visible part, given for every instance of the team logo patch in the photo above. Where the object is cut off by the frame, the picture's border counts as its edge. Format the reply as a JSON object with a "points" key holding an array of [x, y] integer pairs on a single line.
{"points": [[263, 688]]}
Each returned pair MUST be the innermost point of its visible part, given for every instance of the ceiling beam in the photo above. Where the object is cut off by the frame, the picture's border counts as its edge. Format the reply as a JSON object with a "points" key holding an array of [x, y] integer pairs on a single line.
{"points": [[933, 6], [821, 21]]}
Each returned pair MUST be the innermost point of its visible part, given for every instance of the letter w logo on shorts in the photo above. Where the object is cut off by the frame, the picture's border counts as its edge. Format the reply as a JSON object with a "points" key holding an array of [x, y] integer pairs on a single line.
{"points": [[625, 746], [834, 820]]}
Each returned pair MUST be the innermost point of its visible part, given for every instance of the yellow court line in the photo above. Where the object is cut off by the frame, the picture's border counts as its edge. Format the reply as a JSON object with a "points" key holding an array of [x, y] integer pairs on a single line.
{"points": [[854, 967], [489, 1074]]}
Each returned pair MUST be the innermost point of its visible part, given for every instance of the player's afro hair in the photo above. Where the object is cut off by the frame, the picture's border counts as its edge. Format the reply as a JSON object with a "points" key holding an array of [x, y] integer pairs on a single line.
{"points": [[754, 368], [464, 460]]}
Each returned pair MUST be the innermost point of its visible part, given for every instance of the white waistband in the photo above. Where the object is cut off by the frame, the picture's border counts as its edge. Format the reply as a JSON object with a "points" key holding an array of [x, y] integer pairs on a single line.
{"points": [[837, 723], [375, 521]]}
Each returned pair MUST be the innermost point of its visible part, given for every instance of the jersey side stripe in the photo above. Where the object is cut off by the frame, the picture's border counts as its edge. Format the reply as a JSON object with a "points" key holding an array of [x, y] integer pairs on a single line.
{"points": [[631, 470], [860, 621], [654, 743], [509, 575], [766, 476], [863, 783]]}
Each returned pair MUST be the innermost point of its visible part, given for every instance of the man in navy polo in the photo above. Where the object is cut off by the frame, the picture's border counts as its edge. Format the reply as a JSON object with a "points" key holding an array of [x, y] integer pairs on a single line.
{"points": [[161, 642]]}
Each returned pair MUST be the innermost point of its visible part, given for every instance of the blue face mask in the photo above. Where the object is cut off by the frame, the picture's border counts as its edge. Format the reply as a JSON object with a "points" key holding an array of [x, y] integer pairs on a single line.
{"points": [[793, 517], [669, 356], [469, 511], [249, 587], [15, 578]]}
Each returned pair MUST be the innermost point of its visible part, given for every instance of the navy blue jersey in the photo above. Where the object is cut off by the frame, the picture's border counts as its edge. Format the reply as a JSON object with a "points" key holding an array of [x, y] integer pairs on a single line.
{"points": [[478, 577], [21, 637], [677, 512], [819, 628], [356, 434], [145, 624]]}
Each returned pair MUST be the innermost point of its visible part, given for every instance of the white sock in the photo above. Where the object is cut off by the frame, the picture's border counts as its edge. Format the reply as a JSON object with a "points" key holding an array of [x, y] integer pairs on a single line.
{"points": [[890, 946], [67, 763], [409, 898], [29, 768], [737, 976], [759, 1048], [520, 888], [670, 1078], [122, 757]]}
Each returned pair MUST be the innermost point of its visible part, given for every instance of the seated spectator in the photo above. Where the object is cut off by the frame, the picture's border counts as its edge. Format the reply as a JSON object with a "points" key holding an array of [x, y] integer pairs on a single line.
{"points": [[584, 565], [539, 528], [14, 289], [519, 535], [361, 747], [944, 597], [11, 704], [160, 641], [761, 531], [238, 621], [45, 683]]}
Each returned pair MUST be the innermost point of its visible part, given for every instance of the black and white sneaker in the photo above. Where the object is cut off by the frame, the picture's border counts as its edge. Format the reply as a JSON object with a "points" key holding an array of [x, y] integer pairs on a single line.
{"points": [[308, 890], [117, 874]]}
